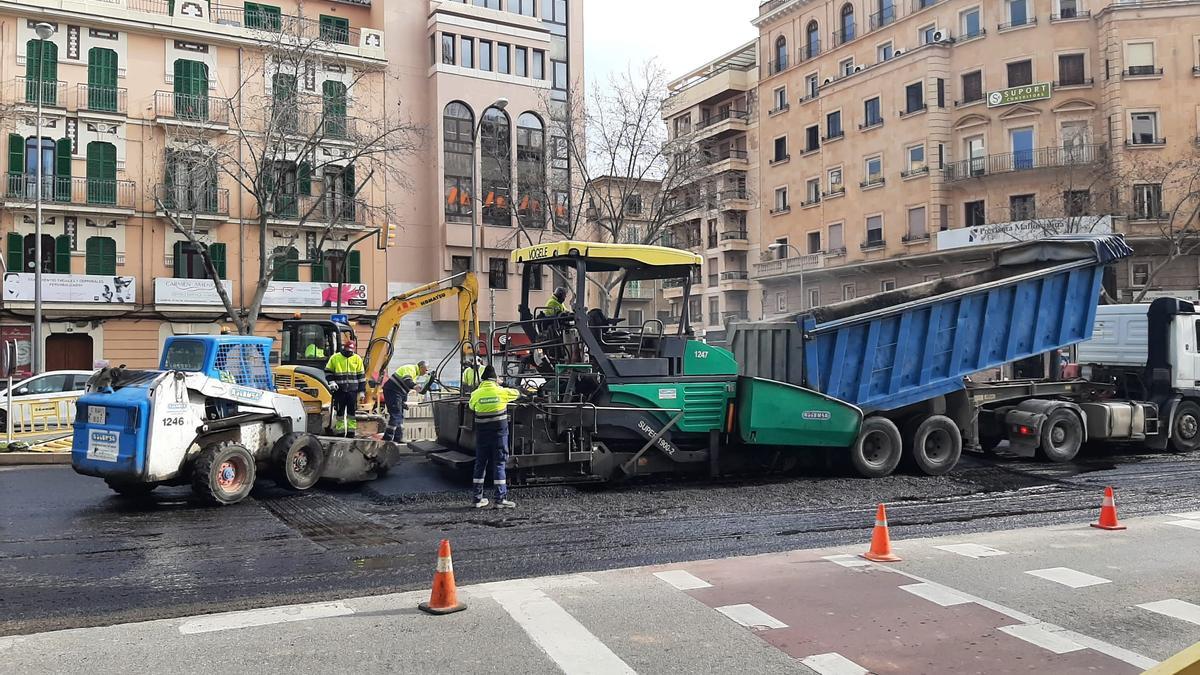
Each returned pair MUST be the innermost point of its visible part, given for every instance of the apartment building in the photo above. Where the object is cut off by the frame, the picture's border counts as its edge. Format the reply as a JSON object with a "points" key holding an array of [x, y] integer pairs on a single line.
{"points": [[715, 213], [905, 139], [627, 211], [501, 172], [124, 84]]}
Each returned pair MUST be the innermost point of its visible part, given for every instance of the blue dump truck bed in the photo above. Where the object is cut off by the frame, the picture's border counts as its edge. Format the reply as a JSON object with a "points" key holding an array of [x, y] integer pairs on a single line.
{"points": [[893, 349]]}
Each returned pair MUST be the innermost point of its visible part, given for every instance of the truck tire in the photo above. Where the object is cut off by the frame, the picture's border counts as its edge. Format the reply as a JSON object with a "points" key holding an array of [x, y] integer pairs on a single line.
{"points": [[298, 461], [223, 474], [129, 489], [878, 448], [1061, 437], [1185, 428], [936, 445]]}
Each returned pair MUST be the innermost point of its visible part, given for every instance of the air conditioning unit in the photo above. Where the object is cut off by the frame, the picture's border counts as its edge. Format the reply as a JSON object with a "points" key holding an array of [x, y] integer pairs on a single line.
{"points": [[940, 36], [828, 80], [898, 52], [858, 69]]}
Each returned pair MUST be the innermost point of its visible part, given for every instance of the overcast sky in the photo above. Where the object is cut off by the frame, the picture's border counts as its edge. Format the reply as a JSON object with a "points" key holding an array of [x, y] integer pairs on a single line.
{"points": [[680, 34]]}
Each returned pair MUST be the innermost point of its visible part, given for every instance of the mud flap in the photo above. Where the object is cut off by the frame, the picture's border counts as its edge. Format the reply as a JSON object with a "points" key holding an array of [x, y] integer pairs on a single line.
{"points": [[354, 460]]}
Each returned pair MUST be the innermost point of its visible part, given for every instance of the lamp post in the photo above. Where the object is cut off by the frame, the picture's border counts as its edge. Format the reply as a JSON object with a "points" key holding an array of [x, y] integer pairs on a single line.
{"points": [[477, 213], [44, 31], [775, 246]]}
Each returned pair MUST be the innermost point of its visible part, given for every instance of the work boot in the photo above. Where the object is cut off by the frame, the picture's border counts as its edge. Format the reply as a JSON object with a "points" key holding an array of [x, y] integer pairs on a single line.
{"points": [[481, 502], [505, 503]]}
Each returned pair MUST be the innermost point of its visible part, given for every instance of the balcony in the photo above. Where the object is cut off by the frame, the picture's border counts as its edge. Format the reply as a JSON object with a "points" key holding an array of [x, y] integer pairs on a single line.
{"points": [[672, 289], [788, 266], [1143, 140], [775, 67], [205, 202], [314, 209], [841, 37], [97, 99], [918, 5], [872, 181], [1041, 158], [723, 123], [191, 110], [1069, 14], [62, 194], [26, 91], [643, 291], [1135, 72], [809, 51], [734, 240], [733, 200], [682, 210], [883, 17], [727, 161], [734, 280], [1078, 82], [1030, 21], [913, 173], [872, 244]]}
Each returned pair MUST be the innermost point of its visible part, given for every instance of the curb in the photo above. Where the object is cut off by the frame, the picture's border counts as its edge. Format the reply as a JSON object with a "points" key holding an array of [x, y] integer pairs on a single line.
{"points": [[30, 458]]}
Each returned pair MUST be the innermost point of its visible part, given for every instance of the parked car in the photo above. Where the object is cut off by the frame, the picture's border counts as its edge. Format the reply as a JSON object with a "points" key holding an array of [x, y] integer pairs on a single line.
{"points": [[61, 387]]}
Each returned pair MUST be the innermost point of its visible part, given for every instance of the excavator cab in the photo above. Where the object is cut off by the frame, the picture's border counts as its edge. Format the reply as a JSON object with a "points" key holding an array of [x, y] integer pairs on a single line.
{"points": [[306, 347]]}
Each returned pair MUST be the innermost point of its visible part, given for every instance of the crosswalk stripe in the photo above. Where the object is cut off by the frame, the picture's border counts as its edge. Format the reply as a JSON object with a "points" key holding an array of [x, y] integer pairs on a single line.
{"points": [[1069, 577], [972, 550], [683, 580], [1190, 515], [936, 593], [1190, 524], [1037, 635], [833, 664], [1176, 609], [263, 617], [847, 560], [566, 641], [751, 617]]}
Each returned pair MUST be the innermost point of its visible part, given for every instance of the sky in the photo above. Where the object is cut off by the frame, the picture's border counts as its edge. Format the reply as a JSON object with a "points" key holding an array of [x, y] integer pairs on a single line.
{"points": [[677, 33]]}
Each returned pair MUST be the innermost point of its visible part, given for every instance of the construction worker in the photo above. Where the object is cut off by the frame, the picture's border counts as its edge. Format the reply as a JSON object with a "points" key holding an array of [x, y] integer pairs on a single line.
{"points": [[472, 373], [314, 351], [556, 304], [395, 397], [347, 381], [490, 402]]}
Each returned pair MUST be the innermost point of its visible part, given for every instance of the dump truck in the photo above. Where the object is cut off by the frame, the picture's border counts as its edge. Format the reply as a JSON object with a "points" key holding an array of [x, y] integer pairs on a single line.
{"points": [[904, 357]]}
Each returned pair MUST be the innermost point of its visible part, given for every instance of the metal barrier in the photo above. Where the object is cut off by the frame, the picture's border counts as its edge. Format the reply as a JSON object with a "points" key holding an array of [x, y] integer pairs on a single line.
{"points": [[41, 417]]}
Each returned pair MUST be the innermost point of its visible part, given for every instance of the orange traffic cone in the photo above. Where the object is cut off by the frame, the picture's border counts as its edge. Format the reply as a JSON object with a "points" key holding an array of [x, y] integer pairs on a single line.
{"points": [[1108, 512], [444, 598], [881, 544]]}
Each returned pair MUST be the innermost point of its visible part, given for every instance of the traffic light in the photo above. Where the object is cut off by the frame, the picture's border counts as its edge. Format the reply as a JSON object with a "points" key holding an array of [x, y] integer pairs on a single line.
{"points": [[391, 234]]}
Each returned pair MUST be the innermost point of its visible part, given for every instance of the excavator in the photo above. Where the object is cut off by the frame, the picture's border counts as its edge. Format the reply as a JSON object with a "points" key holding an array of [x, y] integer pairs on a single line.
{"points": [[308, 343]]}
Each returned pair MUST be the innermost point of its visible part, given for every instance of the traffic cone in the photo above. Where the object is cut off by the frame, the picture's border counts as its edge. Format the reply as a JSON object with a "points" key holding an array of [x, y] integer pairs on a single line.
{"points": [[881, 544], [444, 597], [1108, 513]]}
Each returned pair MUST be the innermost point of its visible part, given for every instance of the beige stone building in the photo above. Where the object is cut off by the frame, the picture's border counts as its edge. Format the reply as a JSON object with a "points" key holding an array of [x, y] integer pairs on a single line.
{"points": [[627, 211], [121, 83], [902, 139], [716, 214]]}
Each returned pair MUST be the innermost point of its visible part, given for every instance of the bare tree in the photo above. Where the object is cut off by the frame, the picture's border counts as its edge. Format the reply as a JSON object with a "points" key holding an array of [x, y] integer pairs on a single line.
{"points": [[1164, 204], [287, 141]]}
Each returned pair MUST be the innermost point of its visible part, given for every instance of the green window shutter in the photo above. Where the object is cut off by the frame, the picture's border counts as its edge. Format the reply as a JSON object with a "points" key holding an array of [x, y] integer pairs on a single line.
{"points": [[217, 253], [178, 249], [287, 269], [41, 68], [354, 268], [101, 173], [102, 79], [191, 90], [318, 270], [16, 153], [102, 256], [334, 100], [62, 254], [335, 29], [16, 252], [303, 177], [62, 170]]}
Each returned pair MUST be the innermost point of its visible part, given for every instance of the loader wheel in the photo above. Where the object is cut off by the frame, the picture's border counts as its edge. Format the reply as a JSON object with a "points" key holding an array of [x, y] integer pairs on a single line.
{"points": [[130, 490], [936, 445], [1062, 436], [877, 450], [299, 461], [1185, 428], [223, 474]]}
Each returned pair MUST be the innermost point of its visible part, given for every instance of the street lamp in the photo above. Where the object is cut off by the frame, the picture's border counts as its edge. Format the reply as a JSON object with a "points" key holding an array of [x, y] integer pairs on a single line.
{"points": [[477, 213], [44, 31], [775, 246]]}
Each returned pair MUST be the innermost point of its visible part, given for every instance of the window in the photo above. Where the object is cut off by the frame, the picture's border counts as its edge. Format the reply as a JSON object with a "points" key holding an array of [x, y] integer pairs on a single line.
{"points": [[916, 223], [972, 86], [1068, 9], [836, 242], [781, 55], [531, 170], [814, 243], [874, 230], [191, 90], [811, 88], [283, 94], [1139, 274], [263, 17], [886, 285], [560, 75], [812, 138], [490, 4], [873, 171], [459, 264], [1140, 58], [848, 291], [846, 67], [683, 125], [554, 11], [781, 199], [941, 92], [448, 42], [334, 108], [916, 158], [781, 100], [926, 33], [498, 273], [812, 39], [1147, 201], [1076, 203], [846, 24], [102, 80], [781, 305], [781, 151], [502, 58], [814, 297], [884, 52], [871, 113], [812, 191], [973, 214], [524, 7], [833, 125], [101, 256], [538, 65], [1021, 144], [1070, 69], [1020, 73], [495, 166], [335, 29], [835, 179], [42, 66], [1022, 207], [485, 55], [781, 251], [885, 15], [101, 173], [1074, 135], [714, 311], [1018, 12], [191, 184], [914, 97], [458, 125], [189, 261], [1145, 128], [633, 207], [521, 68], [466, 53], [977, 154], [970, 23]]}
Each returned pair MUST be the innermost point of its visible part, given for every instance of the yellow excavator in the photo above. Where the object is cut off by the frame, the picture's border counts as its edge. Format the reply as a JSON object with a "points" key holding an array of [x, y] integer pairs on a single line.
{"points": [[308, 343]]}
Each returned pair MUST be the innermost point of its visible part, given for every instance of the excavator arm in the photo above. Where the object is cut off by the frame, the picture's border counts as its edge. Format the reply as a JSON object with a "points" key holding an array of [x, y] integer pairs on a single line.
{"points": [[383, 336]]}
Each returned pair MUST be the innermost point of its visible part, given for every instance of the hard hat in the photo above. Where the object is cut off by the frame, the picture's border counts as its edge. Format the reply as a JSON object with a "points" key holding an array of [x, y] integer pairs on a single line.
{"points": [[560, 293]]}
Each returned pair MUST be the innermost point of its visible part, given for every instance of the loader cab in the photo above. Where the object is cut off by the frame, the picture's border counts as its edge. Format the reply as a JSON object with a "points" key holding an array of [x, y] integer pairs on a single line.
{"points": [[311, 342], [235, 359]]}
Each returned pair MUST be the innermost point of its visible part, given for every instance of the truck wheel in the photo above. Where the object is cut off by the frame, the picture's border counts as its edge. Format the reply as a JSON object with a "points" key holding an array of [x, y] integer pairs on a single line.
{"points": [[130, 489], [877, 450], [936, 445], [1062, 436], [223, 474], [299, 461], [1185, 428]]}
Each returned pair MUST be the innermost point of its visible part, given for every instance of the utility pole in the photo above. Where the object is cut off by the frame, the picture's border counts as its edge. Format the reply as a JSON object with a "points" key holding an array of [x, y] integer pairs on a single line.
{"points": [[44, 31]]}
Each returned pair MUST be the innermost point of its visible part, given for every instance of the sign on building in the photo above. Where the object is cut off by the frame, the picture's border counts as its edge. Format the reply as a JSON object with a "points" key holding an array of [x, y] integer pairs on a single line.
{"points": [[172, 291], [77, 288], [1021, 230], [1030, 92], [314, 294]]}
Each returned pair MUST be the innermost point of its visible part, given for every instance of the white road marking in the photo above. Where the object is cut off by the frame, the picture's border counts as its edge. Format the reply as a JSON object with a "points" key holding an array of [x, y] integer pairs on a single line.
{"points": [[1176, 609], [936, 593], [1190, 524], [263, 617], [1069, 577], [1120, 653], [972, 550], [566, 641], [683, 580], [751, 617], [1191, 515], [833, 664], [1039, 635], [847, 560]]}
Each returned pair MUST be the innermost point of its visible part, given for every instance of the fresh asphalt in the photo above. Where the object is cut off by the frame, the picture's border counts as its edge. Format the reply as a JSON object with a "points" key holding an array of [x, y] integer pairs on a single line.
{"points": [[73, 555]]}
